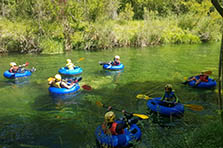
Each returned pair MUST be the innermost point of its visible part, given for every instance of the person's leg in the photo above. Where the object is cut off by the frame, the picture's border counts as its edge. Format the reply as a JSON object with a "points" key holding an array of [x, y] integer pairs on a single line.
{"points": [[197, 82], [189, 79]]}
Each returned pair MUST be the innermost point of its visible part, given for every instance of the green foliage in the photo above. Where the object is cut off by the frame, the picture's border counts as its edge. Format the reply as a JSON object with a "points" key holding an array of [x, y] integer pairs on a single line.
{"points": [[102, 24], [174, 34], [50, 46], [127, 13]]}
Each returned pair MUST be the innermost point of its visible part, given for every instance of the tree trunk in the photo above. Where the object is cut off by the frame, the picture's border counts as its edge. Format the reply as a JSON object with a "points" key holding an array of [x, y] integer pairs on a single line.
{"points": [[220, 71], [217, 6], [220, 79]]}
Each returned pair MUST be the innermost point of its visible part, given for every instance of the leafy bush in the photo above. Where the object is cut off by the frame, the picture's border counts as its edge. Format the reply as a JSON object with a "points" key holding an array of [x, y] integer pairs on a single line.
{"points": [[50, 46]]}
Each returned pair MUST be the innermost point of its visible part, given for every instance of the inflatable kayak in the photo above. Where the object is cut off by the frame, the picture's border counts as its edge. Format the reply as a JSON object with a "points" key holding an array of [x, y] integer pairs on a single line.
{"points": [[11, 75], [112, 67], [156, 105], [210, 84], [65, 71], [122, 140], [62, 91]]}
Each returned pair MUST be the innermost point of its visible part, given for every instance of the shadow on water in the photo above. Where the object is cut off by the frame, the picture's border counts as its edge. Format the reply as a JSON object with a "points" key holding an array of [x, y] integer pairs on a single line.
{"points": [[60, 123], [124, 97], [18, 82]]}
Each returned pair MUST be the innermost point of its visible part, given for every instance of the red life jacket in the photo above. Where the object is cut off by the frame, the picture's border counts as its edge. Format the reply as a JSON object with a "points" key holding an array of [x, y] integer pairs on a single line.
{"points": [[112, 129], [14, 69], [204, 78], [116, 63]]}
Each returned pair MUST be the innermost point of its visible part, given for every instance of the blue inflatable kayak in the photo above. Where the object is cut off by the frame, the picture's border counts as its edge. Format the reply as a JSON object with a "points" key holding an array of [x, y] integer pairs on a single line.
{"points": [[155, 105], [62, 91], [11, 75], [122, 140], [210, 84], [110, 67], [65, 71]]}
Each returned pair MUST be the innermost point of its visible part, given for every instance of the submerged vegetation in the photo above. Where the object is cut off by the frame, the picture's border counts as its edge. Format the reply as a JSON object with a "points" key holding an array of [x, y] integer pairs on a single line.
{"points": [[56, 26]]}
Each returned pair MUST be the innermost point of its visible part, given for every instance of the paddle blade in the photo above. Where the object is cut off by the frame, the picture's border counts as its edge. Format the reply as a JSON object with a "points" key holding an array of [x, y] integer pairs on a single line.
{"points": [[81, 59], [185, 78], [86, 87], [51, 79], [142, 96], [98, 103], [27, 63], [141, 116], [194, 107]]}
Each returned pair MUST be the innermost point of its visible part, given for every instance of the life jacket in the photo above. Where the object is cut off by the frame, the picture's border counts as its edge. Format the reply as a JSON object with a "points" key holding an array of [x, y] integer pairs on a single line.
{"points": [[169, 96], [70, 66], [115, 63], [14, 69], [57, 84], [112, 129], [204, 78]]}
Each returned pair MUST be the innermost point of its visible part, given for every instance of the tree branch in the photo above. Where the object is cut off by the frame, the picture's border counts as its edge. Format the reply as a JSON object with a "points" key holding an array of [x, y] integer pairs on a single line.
{"points": [[217, 6]]}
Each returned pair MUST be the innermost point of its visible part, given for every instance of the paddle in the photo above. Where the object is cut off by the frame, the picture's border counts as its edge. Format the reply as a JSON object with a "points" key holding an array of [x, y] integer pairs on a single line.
{"points": [[191, 106], [24, 65], [134, 114], [86, 87], [81, 59], [104, 63]]}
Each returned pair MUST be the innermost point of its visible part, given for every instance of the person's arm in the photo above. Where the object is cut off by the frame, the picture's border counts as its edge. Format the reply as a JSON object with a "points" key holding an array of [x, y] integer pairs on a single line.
{"points": [[10, 70], [176, 98], [163, 97], [64, 85]]}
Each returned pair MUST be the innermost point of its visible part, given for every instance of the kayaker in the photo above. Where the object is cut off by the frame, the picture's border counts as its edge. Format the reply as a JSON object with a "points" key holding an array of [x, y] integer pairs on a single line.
{"points": [[111, 127], [169, 98], [14, 68], [70, 65], [116, 61], [59, 83], [202, 77]]}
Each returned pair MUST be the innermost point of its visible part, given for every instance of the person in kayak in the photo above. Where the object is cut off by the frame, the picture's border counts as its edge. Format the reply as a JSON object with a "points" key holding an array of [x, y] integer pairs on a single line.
{"points": [[202, 77], [70, 65], [111, 127], [116, 61], [17, 69], [58, 82], [169, 98]]}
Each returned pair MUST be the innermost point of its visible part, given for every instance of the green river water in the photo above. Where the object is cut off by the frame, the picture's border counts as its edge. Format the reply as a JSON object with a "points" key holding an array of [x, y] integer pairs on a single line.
{"points": [[29, 117]]}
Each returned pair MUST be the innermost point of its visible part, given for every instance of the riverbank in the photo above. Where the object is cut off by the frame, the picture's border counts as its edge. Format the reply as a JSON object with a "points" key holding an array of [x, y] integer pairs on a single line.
{"points": [[31, 36]]}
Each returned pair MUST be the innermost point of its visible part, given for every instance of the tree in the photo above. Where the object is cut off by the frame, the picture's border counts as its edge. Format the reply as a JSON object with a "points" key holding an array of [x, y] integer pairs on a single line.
{"points": [[217, 6], [220, 10]]}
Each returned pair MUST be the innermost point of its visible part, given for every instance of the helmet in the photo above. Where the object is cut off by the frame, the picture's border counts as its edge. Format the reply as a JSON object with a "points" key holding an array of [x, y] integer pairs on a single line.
{"points": [[168, 86], [12, 64], [109, 117], [68, 60], [58, 77], [117, 57]]}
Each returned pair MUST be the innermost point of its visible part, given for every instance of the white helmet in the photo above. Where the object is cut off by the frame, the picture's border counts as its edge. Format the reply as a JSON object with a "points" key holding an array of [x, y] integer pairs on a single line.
{"points": [[58, 77], [117, 57], [68, 60], [12, 64]]}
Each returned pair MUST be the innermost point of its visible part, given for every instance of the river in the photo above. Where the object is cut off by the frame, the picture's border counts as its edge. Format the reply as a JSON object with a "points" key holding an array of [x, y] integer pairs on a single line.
{"points": [[30, 117]]}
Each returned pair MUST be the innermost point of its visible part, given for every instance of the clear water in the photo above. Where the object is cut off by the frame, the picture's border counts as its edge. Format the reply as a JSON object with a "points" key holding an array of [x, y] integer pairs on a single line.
{"points": [[29, 117]]}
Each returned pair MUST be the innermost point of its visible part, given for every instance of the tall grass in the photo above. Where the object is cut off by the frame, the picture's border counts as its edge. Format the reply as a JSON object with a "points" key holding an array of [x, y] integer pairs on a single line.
{"points": [[49, 37]]}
